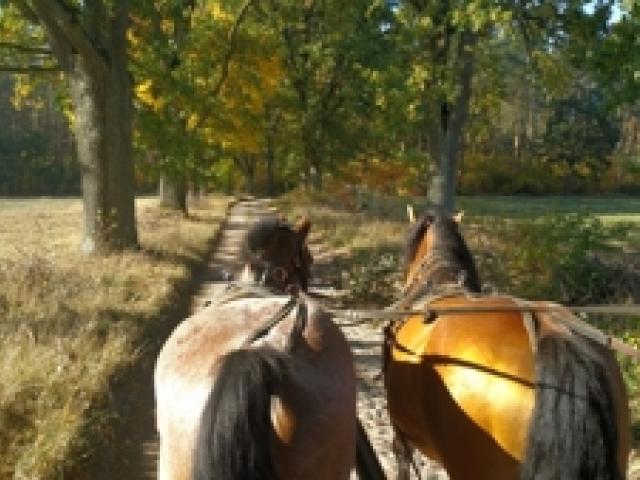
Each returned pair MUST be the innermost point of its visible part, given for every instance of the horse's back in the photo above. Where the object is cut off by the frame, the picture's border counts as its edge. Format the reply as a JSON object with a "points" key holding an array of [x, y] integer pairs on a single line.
{"points": [[187, 362], [313, 417], [185, 372], [461, 387]]}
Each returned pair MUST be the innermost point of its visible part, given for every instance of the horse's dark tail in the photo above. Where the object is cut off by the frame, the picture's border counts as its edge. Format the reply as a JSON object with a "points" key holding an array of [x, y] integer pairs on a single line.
{"points": [[234, 441], [573, 432], [367, 463]]}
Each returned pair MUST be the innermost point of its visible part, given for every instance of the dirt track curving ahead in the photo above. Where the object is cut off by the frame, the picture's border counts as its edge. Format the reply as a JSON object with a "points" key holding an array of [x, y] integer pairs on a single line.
{"points": [[366, 344]]}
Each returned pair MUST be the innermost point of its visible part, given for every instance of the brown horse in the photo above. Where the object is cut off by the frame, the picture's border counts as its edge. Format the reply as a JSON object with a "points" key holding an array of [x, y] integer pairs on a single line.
{"points": [[256, 386], [494, 387]]}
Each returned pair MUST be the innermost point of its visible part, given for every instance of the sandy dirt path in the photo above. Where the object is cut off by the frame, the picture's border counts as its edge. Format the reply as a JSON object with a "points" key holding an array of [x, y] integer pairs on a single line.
{"points": [[366, 344]]}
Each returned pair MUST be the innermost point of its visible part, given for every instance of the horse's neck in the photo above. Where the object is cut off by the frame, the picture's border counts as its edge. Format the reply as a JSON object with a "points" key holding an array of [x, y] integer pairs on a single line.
{"points": [[443, 267], [440, 274]]}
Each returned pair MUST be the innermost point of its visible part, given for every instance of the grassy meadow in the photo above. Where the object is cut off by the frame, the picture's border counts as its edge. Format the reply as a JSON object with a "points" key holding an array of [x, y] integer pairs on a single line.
{"points": [[571, 250], [69, 321]]}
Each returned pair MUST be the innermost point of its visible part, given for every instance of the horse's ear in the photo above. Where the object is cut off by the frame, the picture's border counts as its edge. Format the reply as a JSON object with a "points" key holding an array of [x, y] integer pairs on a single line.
{"points": [[458, 217], [302, 227], [411, 214]]}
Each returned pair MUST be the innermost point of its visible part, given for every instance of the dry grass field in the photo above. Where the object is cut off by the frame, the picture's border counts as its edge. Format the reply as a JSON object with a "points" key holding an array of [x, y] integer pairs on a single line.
{"points": [[69, 321]]}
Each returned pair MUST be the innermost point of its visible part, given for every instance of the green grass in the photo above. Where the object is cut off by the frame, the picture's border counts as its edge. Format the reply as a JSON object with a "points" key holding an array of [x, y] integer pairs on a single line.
{"points": [[607, 208], [626, 208], [613, 212]]}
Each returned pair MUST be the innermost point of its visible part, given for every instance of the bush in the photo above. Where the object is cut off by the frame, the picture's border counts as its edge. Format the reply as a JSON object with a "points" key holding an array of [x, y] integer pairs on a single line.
{"points": [[560, 257]]}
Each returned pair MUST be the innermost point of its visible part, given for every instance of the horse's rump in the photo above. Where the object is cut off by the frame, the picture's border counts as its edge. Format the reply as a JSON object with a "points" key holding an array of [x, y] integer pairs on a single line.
{"points": [[457, 376], [486, 377], [311, 380], [235, 436], [185, 371]]}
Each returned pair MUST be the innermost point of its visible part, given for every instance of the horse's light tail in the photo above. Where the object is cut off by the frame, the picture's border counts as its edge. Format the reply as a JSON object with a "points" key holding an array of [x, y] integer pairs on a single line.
{"points": [[573, 433], [234, 441]]}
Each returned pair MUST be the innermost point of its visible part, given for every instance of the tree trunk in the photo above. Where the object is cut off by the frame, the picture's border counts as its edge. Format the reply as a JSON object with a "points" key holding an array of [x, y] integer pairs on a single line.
{"points": [[270, 155], [250, 177], [314, 162], [455, 141], [100, 86], [448, 145], [103, 114], [316, 175], [271, 182], [247, 165], [173, 193], [196, 192]]}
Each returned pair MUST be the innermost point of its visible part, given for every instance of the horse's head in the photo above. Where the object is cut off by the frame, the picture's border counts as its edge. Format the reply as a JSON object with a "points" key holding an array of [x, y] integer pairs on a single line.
{"points": [[437, 253], [276, 254]]}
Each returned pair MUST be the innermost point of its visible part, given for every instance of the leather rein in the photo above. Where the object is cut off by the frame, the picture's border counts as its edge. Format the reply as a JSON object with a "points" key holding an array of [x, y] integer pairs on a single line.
{"points": [[423, 291]]}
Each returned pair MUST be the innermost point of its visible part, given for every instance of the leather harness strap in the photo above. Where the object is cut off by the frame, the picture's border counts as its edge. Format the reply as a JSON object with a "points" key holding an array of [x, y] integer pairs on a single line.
{"points": [[392, 328], [529, 311], [240, 290], [529, 321], [264, 328]]}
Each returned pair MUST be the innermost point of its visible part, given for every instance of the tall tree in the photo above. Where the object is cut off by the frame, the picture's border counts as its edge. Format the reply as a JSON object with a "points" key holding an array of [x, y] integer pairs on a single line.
{"points": [[157, 35], [36, 146], [89, 42], [328, 49], [443, 37], [615, 58], [579, 138], [186, 53]]}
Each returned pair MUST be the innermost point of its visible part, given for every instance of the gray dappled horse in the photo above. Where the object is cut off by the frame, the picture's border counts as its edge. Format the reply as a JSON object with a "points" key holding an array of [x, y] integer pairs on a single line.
{"points": [[255, 386]]}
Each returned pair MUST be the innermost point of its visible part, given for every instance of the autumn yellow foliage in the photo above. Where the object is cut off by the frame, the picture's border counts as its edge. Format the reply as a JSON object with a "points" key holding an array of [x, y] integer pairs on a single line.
{"points": [[387, 176]]}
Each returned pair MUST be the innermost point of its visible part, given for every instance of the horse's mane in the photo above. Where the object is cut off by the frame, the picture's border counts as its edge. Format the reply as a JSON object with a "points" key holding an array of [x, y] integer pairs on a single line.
{"points": [[415, 237], [449, 247]]}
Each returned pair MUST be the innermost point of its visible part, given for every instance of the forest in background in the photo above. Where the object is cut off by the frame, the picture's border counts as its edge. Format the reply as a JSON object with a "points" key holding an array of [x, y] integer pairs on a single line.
{"points": [[402, 97], [109, 98]]}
